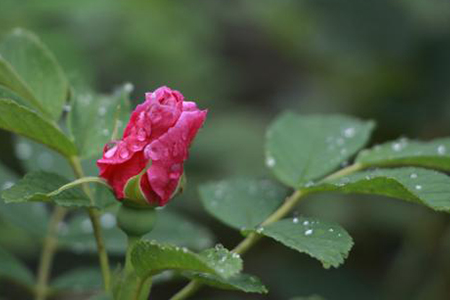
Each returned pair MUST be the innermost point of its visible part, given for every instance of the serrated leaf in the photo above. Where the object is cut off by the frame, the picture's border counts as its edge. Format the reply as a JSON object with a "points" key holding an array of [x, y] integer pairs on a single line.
{"points": [[226, 262], [423, 186], [36, 186], [23, 121], [242, 203], [327, 242], [170, 228], [403, 152], [302, 148], [12, 268], [149, 258], [93, 119], [240, 282], [79, 280], [29, 69]]}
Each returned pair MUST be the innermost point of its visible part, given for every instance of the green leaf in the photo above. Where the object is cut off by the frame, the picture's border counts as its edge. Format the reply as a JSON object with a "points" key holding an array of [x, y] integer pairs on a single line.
{"points": [[79, 280], [313, 297], [403, 152], [303, 148], [226, 262], [149, 258], [240, 282], [423, 186], [170, 228], [242, 203], [37, 186], [327, 242], [23, 121], [94, 119], [12, 268], [29, 69]]}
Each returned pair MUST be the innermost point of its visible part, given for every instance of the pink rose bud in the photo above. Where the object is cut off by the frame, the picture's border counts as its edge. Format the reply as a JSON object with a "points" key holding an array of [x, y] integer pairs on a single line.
{"points": [[145, 167]]}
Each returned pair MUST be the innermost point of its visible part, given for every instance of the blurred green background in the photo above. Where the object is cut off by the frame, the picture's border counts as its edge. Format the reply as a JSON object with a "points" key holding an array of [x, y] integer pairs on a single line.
{"points": [[246, 61]]}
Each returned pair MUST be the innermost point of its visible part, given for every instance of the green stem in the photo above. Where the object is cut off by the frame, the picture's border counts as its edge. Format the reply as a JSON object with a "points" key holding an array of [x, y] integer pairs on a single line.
{"points": [[74, 183], [48, 252], [254, 237], [95, 220]]}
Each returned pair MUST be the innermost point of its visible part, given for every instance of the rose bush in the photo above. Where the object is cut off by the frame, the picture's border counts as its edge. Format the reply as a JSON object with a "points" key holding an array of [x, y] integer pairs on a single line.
{"points": [[146, 165]]}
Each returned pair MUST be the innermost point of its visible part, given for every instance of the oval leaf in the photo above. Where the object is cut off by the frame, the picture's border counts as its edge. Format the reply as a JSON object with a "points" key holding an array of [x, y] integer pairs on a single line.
{"points": [[434, 154], [303, 148], [37, 186], [423, 186], [243, 203], [327, 242], [23, 121], [240, 282], [33, 72], [11, 268]]}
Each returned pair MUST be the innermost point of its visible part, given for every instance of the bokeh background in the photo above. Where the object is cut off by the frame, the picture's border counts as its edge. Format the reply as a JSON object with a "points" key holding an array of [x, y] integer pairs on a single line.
{"points": [[246, 61]]}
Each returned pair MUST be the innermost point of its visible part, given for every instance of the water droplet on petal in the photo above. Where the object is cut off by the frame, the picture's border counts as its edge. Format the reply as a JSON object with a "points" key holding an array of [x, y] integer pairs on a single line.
{"points": [[141, 135], [124, 153], [110, 153]]}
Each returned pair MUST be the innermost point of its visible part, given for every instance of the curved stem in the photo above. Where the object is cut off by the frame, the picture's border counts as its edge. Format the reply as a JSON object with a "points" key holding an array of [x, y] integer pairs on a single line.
{"points": [[254, 237], [95, 220], [48, 252]]}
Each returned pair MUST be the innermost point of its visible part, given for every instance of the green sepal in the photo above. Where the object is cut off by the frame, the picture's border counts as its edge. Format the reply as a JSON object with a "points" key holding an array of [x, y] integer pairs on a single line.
{"points": [[134, 196], [134, 221]]}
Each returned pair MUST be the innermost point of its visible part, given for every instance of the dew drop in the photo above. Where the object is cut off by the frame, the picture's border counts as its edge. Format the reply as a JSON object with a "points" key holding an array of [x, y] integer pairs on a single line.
{"points": [[67, 108], [110, 153], [259, 229], [270, 162], [124, 153], [7, 184], [309, 232], [441, 150], [184, 249], [309, 184], [236, 255], [295, 220], [397, 147], [413, 176], [331, 230], [141, 135], [128, 87], [305, 223], [349, 132], [418, 187]]}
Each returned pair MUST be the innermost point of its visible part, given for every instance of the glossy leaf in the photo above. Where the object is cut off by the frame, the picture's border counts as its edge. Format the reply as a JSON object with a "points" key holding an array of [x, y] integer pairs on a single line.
{"points": [[327, 242], [23, 121], [302, 148], [29, 69], [242, 203], [11, 268], [226, 262], [240, 282], [423, 186], [403, 152], [149, 258], [37, 186], [94, 119]]}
